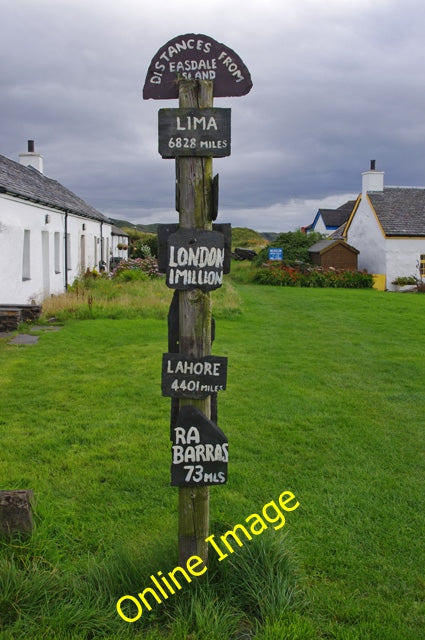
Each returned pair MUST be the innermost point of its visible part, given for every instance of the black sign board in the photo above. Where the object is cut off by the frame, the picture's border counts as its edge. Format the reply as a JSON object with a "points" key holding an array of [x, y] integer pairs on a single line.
{"points": [[194, 132], [195, 260], [196, 57], [184, 377], [166, 230], [199, 450]]}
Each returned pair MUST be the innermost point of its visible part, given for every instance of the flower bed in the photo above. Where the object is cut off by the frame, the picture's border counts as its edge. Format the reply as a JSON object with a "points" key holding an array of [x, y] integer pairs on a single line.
{"points": [[308, 276], [137, 268]]}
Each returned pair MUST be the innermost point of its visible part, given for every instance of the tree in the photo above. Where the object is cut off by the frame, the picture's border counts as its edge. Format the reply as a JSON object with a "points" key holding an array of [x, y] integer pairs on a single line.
{"points": [[295, 246]]}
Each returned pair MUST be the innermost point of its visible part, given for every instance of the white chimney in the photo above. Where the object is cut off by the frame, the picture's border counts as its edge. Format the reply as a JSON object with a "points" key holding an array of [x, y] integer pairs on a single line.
{"points": [[372, 180], [31, 159]]}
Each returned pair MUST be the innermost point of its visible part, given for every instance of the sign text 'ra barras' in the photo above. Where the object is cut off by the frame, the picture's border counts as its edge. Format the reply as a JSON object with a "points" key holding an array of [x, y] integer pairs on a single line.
{"points": [[196, 57], [195, 260], [184, 377], [199, 450], [194, 132]]}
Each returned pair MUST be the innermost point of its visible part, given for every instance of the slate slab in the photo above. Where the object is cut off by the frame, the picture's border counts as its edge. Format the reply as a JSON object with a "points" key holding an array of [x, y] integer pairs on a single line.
{"points": [[16, 512], [24, 338]]}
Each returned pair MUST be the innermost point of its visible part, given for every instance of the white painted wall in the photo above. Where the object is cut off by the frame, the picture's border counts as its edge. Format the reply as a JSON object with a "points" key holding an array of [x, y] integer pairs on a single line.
{"points": [[24, 277], [320, 227], [366, 236], [402, 258]]}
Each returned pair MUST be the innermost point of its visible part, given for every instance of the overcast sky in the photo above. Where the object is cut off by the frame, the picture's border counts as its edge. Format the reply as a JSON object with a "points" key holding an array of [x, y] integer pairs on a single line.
{"points": [[336, 83]]}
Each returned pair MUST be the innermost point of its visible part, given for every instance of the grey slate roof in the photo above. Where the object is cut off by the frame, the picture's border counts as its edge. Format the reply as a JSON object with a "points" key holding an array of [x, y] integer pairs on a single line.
{"points": [[27, 183], [336, 217], [117, 231], [322, 245], [400, 210]]}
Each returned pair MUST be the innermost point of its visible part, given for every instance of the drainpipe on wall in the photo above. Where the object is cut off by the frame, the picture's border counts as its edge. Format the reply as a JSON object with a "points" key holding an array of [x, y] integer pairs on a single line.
{"points": [[101, 263], [66, 251]]}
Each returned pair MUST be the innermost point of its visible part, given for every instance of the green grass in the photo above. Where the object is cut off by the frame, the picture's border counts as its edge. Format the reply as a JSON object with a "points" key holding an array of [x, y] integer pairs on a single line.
{"points": [[325, 398], [103, 297]]}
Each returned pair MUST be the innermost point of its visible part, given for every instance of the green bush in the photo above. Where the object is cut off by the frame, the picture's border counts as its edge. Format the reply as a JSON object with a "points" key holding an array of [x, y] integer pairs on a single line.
{"points": [[403, 280], [130, 275], [145, 245], [295, 246]]}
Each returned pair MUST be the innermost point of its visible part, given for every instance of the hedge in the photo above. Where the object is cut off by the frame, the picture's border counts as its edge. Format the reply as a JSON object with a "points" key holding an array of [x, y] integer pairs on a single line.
{"points": [[308, 276]]}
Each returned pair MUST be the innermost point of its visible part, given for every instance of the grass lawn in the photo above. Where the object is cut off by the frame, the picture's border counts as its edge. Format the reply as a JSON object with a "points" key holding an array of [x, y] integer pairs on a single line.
{"points": [[325, 398]]}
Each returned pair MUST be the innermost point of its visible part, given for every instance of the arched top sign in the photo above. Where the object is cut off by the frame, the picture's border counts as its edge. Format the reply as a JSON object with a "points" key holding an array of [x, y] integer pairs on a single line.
{"points": [[196, 57]]}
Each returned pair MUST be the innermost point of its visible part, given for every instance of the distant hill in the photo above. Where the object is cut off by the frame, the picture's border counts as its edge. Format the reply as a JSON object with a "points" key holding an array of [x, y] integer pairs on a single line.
{"points": [[146, 228], [270, 236], [247, 238], [241, 236]]}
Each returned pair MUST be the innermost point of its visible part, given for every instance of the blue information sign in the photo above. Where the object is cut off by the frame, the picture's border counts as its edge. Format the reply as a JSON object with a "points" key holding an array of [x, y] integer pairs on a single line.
{"points": [[275, 253]]}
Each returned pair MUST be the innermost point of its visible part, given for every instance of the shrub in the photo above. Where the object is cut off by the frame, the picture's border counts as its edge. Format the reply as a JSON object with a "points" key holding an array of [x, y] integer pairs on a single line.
{"points": [[308, 276], [403, 280], [295, 246], [144, 246]]}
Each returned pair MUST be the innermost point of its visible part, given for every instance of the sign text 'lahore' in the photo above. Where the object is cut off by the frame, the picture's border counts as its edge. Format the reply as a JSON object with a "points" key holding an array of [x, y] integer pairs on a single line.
{"points": [[184, 377]]}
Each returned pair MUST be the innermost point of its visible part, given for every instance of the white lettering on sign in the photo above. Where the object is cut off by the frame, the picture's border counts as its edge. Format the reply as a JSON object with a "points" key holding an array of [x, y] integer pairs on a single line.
{"points": [[202, 68], [199, 75], [192, 65], [194, 278], [200, 453], [232, 67], [185, 45], [192, 435], [192, 123], [200, 257], [195, 386], [196, 474], [198, 368], [190, 143], [213, 144]]}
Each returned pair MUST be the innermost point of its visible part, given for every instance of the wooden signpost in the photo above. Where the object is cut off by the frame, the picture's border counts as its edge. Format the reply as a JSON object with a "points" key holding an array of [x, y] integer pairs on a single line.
{"points": [[195, 256]]}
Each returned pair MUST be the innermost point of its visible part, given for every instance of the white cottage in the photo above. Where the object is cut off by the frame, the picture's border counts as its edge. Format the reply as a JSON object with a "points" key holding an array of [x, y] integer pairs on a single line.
{"points": [[48, 236], [327, 221], [387, 226]]}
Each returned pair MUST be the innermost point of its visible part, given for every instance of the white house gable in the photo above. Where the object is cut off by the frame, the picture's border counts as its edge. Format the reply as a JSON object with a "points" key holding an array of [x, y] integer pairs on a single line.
{"points": [[365, 233], [388, 228]]}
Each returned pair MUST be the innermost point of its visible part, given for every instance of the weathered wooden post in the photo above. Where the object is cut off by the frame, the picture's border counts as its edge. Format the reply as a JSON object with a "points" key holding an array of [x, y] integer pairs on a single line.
{"points": [[194, 254], [195, 313]]}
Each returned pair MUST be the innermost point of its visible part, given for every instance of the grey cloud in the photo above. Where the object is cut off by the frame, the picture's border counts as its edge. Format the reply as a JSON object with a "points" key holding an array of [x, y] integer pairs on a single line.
{"points": [[335, 84]]}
